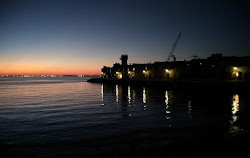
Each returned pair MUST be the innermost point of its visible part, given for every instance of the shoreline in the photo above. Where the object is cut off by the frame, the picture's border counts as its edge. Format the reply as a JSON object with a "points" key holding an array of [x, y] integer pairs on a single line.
{"points": [[174, 84]]}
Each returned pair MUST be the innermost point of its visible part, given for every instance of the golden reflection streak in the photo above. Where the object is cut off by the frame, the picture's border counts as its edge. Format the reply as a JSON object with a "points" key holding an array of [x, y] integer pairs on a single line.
{"points": [[144, 98], [235, 109], [235, 106], [102, 93], [129, 96], [166, 98], [117, 94], [167, 106]]}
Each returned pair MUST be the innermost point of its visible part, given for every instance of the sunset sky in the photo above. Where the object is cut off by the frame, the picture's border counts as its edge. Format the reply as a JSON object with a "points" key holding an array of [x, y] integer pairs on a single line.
{"points": [[79, 37]]}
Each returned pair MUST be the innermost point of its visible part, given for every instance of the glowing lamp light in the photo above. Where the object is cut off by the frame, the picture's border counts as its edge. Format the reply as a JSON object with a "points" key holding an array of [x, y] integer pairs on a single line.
{"points": [[166, 70], [144, 71], [117, 72], [237, 74], [129, 72], [235, 68]]}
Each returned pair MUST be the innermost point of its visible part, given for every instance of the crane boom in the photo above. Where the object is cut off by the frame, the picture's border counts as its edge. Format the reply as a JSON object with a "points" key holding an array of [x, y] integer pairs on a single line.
{"points": [[171, 54]]}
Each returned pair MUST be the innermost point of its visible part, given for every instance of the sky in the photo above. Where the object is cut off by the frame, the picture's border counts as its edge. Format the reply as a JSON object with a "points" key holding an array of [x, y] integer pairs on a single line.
{"points": [[80, 37]]}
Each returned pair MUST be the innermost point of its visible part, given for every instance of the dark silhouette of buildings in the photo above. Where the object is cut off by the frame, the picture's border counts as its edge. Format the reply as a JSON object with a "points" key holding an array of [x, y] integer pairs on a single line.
{"points": [[214, 68]]}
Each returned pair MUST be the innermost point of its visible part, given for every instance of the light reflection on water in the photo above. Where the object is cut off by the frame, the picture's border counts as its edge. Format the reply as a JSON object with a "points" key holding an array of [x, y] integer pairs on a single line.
{"points": [[189, 108], [234, 128], [117, 95], [129, 96], [102, 93], [235, 106], [144, 98], [79, 110], [167, 106]]}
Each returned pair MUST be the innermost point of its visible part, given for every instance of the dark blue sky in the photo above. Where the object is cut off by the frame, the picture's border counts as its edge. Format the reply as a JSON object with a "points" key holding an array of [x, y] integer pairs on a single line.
{"points": [[79, 33]]}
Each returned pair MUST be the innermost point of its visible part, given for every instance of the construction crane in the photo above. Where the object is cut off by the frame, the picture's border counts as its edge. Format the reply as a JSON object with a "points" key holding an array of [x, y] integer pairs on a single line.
{"points": [[171, 54]]}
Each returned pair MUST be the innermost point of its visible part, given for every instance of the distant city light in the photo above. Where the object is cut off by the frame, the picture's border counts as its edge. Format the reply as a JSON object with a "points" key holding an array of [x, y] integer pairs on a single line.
{"points": [[144, 71], [235, 68], [166, 70]]}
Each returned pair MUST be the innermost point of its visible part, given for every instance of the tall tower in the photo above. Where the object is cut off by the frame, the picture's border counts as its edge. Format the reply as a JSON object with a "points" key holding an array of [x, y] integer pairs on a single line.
{"points": [[124, 59]]}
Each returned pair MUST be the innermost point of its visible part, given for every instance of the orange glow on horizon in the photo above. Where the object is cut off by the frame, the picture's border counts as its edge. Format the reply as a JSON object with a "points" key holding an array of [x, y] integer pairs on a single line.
{"points": [[48, 69], [44, 64]]}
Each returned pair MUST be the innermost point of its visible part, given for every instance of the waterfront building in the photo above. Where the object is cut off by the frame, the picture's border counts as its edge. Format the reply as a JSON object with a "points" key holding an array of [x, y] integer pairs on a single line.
{"points": [[214, 68]]}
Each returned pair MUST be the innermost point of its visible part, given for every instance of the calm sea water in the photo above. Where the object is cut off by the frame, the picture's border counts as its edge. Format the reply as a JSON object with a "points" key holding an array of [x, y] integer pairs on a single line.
{"points": [[44, 110]]}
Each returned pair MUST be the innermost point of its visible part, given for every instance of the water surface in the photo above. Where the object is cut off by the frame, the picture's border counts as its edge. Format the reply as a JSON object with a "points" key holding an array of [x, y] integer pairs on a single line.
{"points": [[38, 110]]}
